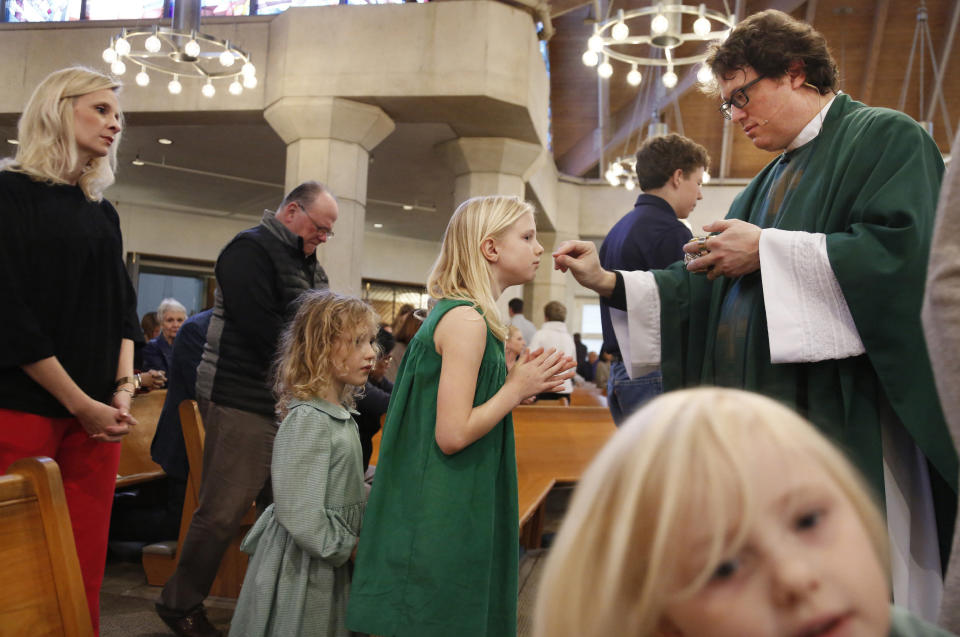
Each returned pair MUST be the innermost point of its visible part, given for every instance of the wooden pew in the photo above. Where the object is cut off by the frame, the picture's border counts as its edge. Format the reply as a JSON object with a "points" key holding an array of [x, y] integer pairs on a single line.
{"points": [[136, 465], [160, 559], [41, 591], [554, 445], [588, 396]]}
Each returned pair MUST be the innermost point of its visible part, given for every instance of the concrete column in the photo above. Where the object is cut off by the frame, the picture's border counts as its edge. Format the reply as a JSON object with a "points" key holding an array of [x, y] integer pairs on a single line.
{"points": [[492, 166], [329, 140], [550, 284], [489, 165]]}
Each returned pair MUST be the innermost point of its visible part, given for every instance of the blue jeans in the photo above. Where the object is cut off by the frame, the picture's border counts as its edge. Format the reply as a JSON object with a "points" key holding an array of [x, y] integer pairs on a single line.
{"points": [[625, 396]]}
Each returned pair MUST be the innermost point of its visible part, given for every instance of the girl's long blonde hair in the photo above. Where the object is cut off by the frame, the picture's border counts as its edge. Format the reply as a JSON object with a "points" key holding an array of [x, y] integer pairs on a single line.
{"points": [[461, 271], [313, 343], [48, 147], [677, 463]]}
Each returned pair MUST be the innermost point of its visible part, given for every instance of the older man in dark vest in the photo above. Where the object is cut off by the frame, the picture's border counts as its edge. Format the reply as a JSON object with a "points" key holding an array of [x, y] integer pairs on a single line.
{"points": [[260, 274]]}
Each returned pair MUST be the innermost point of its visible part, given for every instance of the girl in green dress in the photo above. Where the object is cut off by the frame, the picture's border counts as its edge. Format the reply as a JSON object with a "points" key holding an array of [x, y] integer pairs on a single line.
{"points": [[299, 576], [439, 549], [721, 513]]}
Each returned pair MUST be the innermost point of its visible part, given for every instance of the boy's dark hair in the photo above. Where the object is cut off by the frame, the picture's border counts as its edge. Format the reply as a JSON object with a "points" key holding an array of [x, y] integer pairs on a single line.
{"points": [[658, 158], [516, 305], [769, 42]]}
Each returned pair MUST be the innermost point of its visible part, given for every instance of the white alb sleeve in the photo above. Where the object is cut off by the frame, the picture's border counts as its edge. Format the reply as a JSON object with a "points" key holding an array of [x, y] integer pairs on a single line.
{"points": [[808, 319], [638, 329]]}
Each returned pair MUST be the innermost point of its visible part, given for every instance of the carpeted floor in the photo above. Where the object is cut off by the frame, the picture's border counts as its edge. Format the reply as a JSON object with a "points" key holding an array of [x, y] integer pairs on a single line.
{"points": [[126, 601]]}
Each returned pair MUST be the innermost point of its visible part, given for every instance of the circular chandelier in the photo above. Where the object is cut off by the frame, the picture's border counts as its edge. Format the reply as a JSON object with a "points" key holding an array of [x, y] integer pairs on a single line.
{"points": [[613, 39], [622, 171], [181, 51]]}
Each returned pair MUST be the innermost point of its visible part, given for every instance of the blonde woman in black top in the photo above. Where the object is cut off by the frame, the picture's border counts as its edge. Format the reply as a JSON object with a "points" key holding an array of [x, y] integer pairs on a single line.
{"points": [[66, 347]]}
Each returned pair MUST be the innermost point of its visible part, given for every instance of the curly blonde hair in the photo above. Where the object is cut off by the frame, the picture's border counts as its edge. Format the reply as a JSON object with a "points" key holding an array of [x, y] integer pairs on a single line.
{"points": [[48, 147], [461, 271], [314, 342], [677, 463]]}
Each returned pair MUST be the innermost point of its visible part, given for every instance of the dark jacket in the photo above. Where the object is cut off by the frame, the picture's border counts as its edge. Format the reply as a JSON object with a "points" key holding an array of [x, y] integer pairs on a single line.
{"points": [[158, 354], [260, 274], [168, 449], [373, 405], [649, 237]]}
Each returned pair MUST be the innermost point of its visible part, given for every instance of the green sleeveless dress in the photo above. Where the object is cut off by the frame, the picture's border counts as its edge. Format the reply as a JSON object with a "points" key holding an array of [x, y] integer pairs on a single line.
{"points": [[439, 547]]}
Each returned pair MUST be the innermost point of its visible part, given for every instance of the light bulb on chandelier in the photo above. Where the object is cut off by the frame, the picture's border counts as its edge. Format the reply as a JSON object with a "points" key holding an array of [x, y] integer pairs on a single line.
{"points": [[589, 58], [620, 30], [634, 77], [174, 86], [192, 48], [152, 44], [669, 78], [605, 69], [704, 75], [595, 43], [659, 24], [118, 67], [142, 78], [122, 47]]}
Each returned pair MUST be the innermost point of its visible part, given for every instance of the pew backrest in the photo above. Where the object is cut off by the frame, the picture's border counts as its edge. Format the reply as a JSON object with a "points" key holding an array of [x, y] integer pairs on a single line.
{"points": [[41, 590]]}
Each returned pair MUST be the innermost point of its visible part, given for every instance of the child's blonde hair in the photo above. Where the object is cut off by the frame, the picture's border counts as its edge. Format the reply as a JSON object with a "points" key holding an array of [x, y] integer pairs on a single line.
{"points": [[461, 271], [47, 149], [312, 344], [678, 462]]}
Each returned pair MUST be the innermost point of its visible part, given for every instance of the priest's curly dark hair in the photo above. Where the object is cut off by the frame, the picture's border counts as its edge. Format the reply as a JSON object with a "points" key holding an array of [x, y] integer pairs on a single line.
{"points": [[772, 42]]}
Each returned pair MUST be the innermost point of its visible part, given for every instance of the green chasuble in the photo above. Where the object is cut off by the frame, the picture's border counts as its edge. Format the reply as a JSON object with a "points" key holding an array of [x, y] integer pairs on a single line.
{"points": [[869, 181]]}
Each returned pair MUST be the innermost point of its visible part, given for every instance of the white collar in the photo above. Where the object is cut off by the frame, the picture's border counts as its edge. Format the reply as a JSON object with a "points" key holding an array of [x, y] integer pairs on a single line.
{"points": [[812, 129]]}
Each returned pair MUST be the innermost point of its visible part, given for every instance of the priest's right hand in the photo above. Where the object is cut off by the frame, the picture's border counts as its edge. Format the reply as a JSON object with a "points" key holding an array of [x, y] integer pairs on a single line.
{"points": [[581, 258]]}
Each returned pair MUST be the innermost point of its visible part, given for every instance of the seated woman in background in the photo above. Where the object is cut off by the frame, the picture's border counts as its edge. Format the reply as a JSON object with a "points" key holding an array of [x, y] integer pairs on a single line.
{"points": [[158, 353], [716, 513], [514, 345]]}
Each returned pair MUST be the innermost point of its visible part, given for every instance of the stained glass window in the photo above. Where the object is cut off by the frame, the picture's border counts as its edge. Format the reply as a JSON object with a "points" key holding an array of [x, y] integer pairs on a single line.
{"points": [[42, 10], [124, 9]]}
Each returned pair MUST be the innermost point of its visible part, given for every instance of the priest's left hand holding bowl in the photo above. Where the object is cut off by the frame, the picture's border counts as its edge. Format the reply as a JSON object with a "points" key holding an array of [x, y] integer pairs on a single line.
{"points": [[733, 251]]}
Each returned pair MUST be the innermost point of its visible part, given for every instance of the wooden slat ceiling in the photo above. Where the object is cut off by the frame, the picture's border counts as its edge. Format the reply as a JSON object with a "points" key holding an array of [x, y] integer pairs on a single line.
{"points": [[870, 40]]}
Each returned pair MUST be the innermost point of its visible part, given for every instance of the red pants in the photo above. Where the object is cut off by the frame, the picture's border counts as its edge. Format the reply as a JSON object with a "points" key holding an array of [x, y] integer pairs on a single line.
{"points": [[89, 471]]}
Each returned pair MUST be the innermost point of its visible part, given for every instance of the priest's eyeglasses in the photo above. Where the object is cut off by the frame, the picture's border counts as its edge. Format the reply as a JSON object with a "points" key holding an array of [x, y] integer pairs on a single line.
{"points": [[738, 98], [326, 232]]}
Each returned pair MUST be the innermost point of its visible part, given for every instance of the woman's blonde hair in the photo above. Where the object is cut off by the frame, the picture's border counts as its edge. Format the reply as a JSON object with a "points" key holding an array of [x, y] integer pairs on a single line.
{"points": [[678, 462], [313, 343], [461, 271], [48, 147]]}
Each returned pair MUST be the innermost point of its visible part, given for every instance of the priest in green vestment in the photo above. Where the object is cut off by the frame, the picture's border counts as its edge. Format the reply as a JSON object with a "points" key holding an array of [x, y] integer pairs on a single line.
{"points": [[810, 290]]}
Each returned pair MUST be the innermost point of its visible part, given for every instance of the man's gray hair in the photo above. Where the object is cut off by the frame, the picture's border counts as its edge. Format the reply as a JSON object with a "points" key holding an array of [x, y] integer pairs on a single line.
{"points": [[304, 194]]}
